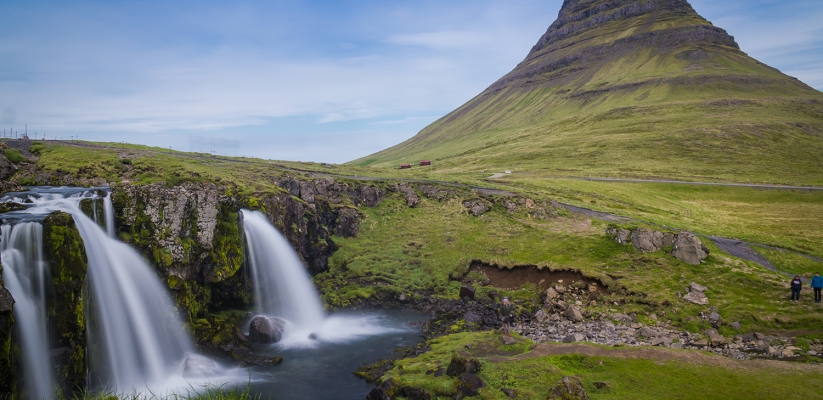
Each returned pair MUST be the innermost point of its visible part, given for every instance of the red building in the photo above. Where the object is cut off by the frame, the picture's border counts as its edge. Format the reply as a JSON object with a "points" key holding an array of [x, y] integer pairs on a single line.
{"points": [[425, 162], [405, 166]]}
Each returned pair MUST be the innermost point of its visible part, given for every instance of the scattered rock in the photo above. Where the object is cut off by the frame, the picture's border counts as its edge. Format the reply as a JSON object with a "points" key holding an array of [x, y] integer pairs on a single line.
{"points": [[647, 332], [601, 385], [694, 287], [714, 318], [715, 338], [266, 329], [476, 207], [377, 394], [507, 340], [472, 317], [689, 249], [568, 388], [551, 294], [696, 298]]}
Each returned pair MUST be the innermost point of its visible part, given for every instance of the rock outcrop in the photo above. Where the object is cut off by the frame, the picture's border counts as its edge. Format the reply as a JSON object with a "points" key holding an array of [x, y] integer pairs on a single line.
{"points": [[689, 248], [8, 372], [568, 388]]}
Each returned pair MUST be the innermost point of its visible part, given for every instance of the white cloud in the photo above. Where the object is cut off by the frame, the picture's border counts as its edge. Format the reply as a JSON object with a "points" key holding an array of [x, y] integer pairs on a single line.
{"points": [[444, 40]]}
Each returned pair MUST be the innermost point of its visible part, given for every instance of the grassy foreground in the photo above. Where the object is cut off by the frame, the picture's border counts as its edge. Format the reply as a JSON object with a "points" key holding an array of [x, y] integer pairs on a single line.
{"points": [[656, 374]]}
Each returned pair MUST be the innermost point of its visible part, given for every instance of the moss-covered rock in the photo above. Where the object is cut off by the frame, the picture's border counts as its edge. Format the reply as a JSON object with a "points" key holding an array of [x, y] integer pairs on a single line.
{"points": [[66, 255]]}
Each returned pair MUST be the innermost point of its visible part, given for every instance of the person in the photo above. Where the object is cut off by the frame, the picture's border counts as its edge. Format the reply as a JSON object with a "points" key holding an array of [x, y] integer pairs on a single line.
{"points": [[505, 311], [796, 285], [817, 285]]}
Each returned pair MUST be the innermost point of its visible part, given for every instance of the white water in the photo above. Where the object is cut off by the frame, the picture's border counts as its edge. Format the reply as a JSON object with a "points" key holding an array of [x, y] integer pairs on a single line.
{"points": [[26, 276], [283, 288], [136, 342]]}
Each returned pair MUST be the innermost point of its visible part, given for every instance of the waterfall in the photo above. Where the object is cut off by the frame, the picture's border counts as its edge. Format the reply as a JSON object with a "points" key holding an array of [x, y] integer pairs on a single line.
{"points": [[136, 341], [108, 213], [283, 289], [27, 277], [282, 286]]}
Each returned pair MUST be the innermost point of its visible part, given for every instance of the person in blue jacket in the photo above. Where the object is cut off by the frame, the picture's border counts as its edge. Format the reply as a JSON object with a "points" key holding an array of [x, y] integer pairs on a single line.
{"points": [[817, 285]]}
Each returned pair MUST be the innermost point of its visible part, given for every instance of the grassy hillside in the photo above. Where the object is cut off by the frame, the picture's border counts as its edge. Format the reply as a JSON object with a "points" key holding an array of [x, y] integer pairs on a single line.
{"points": [[653, 94]]}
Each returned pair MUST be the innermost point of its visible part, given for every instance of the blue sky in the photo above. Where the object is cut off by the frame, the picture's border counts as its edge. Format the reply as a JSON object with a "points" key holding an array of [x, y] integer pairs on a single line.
{"points": [[300, 80]]}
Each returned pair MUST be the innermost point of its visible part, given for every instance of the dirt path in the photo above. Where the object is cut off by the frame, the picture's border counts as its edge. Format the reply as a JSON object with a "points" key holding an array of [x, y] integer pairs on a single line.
{"points": [[749, 185], [658, 354]]}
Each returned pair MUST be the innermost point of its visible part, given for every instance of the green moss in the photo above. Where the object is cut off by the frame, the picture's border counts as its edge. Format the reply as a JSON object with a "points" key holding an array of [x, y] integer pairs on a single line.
{"points": [[66, 255], [15, 156], [227, 247]]}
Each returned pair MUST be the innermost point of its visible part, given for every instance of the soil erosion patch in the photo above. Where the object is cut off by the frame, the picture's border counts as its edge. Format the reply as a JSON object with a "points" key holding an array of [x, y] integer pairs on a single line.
{"points": [[510, 279]]}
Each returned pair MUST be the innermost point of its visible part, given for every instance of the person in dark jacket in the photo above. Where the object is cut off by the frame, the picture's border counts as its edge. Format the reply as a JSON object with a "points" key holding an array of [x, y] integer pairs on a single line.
{"points": [[506, 314], [796, 285], [817, 285]]}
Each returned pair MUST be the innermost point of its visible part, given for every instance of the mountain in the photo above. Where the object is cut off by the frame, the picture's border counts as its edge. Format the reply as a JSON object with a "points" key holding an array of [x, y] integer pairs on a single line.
{"points": [[643, 88]]}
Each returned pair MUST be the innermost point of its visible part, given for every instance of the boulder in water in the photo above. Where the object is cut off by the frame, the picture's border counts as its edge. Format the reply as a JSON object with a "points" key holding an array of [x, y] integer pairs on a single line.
{"points": [[266, 329], [196, 366]]}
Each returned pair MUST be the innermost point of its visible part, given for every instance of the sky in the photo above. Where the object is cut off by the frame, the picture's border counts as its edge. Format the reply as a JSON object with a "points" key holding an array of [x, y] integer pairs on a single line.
{"points": [[325, 81]]}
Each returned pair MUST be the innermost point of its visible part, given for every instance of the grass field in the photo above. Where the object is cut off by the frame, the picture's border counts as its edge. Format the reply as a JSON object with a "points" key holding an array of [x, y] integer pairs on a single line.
{"points": [[626, 373]]}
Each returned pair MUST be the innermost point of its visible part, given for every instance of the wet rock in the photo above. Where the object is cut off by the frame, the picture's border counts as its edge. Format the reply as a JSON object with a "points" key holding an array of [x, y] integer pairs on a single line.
{"points": [[468, 384], [696, 298], [568, 388], [256, 359], [266, 329], [462, 362], [689, 249], [6, 301], [467, 292]]}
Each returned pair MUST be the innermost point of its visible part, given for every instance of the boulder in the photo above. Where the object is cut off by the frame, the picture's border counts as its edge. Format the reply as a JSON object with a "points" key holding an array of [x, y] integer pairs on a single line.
{"points": [[573, 313], [689, 249], [467, 292], [568, 388], [266, 329], [714, 318], [647, 241], [541, 315], [476, 207], [621, 236], [696, 298], [669, 239], [462, 362], [377, 394], [551, 294], [411, 195], [6, 301], [509, 392]]}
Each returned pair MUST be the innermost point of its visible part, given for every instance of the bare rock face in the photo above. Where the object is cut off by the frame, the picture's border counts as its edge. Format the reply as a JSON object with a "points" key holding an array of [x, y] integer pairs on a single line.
{"points": [[476, 207], [266, 329], [467, 292], [689, 249], [7, 168]]}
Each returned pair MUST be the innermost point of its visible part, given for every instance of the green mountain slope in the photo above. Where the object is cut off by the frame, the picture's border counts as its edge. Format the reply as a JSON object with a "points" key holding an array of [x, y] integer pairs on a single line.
{"points": [[632, 88]]}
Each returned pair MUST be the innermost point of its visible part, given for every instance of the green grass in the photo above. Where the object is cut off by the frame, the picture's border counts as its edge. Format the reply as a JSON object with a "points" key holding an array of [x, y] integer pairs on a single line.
{"points": [[210, 392], [416, 250], [626, 378]]}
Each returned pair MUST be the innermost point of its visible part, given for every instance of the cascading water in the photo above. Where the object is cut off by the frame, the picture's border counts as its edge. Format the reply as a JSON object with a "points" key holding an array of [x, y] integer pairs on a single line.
{"points": [[26, 275], [283, 289], [136, 340]]}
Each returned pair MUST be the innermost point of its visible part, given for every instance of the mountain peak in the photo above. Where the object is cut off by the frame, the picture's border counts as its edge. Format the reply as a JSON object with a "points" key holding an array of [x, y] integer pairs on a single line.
{"points": [[631, 87]]}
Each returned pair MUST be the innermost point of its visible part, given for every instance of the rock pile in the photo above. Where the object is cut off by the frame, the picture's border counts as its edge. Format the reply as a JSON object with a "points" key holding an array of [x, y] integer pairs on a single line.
{"points": [[696, 294], [686, 246]]}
